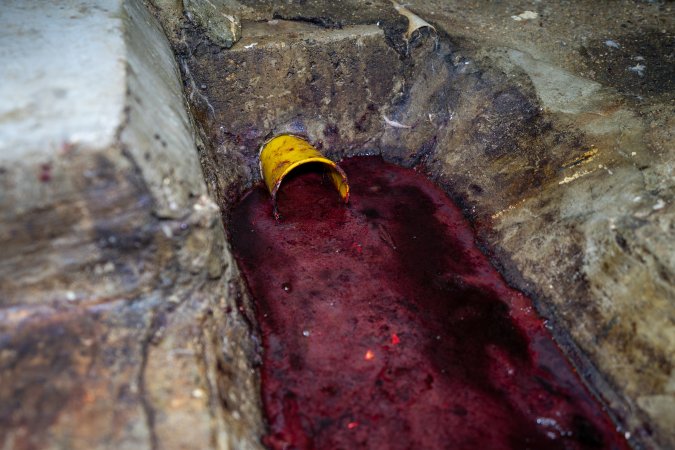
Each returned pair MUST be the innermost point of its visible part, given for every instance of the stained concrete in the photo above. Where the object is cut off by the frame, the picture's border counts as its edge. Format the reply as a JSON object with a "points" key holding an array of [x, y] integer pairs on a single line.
{"points": [[119, 319], [591, 239], [271, 76], [550, 123], [564, 169], [219, 19]]}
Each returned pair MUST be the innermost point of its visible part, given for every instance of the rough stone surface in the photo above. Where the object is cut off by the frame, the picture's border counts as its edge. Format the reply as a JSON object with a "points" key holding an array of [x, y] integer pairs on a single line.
{"points": [[556, 145], [220, 19], [332, 84], [119, 308], [554, 133], [569, 180]]}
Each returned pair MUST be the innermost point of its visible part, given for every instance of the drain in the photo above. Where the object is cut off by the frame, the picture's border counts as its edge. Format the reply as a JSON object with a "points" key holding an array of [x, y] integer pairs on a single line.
{"points": [[281, 155]]}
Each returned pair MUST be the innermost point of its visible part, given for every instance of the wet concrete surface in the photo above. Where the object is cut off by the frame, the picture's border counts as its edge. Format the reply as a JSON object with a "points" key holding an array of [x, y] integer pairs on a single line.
{"points": [[384, 326]]}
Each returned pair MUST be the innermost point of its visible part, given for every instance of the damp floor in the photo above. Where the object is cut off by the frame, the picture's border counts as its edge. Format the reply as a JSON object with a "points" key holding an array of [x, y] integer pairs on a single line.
{"points": [[384, 326]]}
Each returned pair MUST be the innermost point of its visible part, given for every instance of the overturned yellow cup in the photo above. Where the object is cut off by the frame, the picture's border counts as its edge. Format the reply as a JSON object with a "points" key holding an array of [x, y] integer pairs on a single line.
{"points": [[280, 155]]}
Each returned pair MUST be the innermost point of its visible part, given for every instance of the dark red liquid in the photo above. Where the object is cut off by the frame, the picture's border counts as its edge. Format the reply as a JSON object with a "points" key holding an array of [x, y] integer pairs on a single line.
{"points": [[384, 327]]}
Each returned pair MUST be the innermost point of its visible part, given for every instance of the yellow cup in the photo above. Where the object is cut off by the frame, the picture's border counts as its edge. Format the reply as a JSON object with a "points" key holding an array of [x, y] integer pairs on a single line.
{"points": [[280, 155]]}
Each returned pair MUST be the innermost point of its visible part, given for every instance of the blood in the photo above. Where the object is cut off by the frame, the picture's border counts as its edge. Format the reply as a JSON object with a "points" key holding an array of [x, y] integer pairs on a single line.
{"points": [[385, 327], [45, 174]]}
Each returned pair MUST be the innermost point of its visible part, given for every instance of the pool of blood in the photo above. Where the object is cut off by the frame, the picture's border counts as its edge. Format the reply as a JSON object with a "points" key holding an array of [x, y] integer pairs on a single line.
{"points": [[384, 326]]}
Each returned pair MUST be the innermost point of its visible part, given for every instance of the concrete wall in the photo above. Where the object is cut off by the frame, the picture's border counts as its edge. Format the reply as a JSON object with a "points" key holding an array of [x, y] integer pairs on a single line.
{"points": [[119, 302]]}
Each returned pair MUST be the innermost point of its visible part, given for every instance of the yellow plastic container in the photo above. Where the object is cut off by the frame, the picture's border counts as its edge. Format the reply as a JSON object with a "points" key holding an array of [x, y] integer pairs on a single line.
{"points": [[280, 155]]}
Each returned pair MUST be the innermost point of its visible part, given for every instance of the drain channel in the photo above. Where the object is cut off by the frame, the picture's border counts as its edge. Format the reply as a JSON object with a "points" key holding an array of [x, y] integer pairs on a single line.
{"points": [[384, 326]]}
